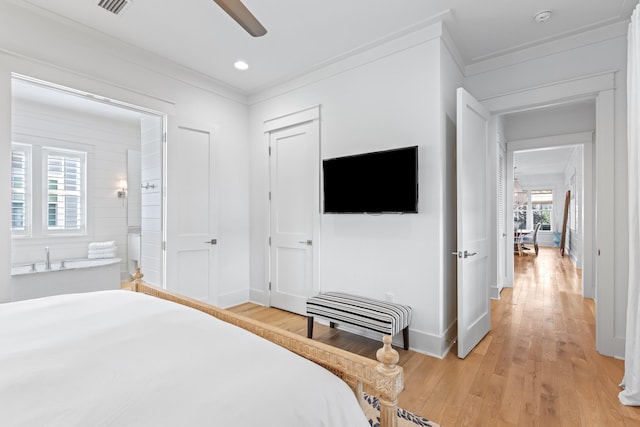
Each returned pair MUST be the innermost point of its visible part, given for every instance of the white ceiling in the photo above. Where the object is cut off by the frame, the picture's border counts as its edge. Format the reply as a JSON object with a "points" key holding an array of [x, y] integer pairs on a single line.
{"points": [[543, 161], [561, 119], [305, 35]]}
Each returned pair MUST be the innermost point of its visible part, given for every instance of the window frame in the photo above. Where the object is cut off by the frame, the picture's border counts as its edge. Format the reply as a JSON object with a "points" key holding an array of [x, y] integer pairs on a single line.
{"points": [[37, 177], [27, 190], [81, 230], [533, 210], [527, 210]]}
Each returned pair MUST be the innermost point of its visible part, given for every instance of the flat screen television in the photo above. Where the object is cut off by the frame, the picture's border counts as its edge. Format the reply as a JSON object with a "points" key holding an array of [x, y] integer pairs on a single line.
{"points": [[374, 183]]}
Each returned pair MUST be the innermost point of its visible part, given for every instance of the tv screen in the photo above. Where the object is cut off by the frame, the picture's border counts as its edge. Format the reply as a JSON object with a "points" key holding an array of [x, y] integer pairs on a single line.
{"points": [[379, 182]]}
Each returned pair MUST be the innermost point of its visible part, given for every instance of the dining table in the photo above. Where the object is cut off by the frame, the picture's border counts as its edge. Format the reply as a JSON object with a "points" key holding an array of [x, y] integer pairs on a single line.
{"points": [[518, 245]]}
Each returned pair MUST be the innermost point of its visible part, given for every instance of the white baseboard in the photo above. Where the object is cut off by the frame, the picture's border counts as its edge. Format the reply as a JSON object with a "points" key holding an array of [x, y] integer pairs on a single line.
{"points": [[233, 298], [618, 344], [258, 296], [494, 292]]}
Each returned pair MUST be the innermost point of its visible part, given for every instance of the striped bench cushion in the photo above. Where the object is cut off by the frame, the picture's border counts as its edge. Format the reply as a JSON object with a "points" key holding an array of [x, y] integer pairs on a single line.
{"points": [[380, 316]]}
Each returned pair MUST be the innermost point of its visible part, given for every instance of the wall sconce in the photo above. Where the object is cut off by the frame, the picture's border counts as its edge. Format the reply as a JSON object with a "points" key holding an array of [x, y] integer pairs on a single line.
{"points": [[122, 192]]}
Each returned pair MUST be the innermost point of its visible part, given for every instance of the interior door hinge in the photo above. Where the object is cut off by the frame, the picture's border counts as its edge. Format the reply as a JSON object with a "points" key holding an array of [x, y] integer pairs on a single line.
{"points": [[269, 150], [269, 240], [164, 137], [269, 285], [269, 195], [164, 245]]}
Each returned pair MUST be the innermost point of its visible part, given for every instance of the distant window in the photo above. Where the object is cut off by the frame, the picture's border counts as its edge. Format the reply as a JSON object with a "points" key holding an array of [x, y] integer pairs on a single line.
{"points": [[540, 202], [53, 203], [20, 188], [542, 208], [65, 195]]}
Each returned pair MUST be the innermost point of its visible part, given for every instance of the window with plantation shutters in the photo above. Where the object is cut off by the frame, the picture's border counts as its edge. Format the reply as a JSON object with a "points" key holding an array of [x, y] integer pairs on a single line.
{"points": [[65, 190], [20, 188], [48, 191]]}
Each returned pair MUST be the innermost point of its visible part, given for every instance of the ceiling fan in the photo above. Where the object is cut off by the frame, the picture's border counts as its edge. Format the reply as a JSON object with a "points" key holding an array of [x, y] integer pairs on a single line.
{"points": [[239, 12]]}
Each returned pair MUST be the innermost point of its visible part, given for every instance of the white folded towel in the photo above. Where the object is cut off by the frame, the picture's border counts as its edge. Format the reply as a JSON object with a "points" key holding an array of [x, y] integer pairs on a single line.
{"points": [[102, 245], [102, 253]]}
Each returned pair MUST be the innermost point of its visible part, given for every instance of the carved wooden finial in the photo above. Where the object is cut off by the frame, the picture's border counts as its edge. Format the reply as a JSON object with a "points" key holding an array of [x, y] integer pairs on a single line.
{"points": [[137, 275], [387, 355], [135, 278]]}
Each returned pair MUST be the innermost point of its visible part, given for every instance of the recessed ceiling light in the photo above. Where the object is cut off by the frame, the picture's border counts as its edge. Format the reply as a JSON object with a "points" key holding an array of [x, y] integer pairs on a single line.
{"points": [[542, 16], [241, 65]]}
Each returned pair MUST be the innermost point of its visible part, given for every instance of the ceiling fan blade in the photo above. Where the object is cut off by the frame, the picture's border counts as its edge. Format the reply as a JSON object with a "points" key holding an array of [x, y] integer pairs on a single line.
{"points": [[242, 16]]}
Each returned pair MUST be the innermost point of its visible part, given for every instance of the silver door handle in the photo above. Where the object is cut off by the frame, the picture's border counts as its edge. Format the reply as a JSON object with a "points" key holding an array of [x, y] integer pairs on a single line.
{"points": [[467, 254], [212, 241], [306, 242]]}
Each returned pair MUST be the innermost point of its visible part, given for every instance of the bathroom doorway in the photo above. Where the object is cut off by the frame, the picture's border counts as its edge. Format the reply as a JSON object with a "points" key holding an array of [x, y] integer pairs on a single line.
{"points": [[114, 192]]}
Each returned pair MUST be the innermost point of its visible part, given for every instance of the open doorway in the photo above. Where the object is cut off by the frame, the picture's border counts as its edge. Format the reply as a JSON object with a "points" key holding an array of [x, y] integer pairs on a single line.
{"points": [[548, 152], [115, 153]]}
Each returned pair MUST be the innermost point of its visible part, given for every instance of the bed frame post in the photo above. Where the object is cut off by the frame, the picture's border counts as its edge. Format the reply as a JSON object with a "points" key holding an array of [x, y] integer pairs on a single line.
{"points": [[389, 384], [136, 278]]}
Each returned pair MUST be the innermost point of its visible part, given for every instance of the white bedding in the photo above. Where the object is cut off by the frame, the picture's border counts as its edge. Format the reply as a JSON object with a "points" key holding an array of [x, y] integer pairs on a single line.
{"points": [[118, 358]]}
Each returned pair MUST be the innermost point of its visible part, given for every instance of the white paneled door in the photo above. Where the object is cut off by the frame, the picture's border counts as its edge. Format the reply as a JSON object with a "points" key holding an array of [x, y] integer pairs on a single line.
{"points": [[192, 240], [294, 170], [473, 197]]}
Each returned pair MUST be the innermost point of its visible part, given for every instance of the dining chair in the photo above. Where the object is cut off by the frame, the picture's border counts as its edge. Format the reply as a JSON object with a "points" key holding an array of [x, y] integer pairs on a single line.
{"points": [[533, 239]]}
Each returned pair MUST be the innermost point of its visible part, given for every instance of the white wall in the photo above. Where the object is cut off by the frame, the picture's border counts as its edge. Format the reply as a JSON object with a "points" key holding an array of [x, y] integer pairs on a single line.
{"points": [[151, 200], [134, 204], [45, 49], [385, 98], [573, 180], [572, 118], [521, 72], [107, 142]]}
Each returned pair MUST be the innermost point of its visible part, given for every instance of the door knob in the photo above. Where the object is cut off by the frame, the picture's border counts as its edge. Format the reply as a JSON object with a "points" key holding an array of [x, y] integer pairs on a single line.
{"points": [[306, 242], [468, 254], [212, 241]]}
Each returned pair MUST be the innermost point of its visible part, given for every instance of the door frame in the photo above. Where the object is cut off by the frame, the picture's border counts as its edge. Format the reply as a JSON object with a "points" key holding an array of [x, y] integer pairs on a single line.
{"points": [[305, 115], [584, 139], [599, 87], [502, 278]]}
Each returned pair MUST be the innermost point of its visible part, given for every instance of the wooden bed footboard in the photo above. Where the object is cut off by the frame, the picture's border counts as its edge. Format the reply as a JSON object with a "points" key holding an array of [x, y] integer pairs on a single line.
{"points": [[384, 376]]}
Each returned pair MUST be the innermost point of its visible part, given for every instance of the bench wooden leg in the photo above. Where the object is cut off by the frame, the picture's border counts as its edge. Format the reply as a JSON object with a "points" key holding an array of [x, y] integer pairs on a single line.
{"points": [[309, 326], [405, 337]]}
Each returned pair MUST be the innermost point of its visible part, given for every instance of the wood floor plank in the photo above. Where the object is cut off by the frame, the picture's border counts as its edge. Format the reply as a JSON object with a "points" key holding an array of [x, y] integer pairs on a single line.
{"points": [[537, 367]]}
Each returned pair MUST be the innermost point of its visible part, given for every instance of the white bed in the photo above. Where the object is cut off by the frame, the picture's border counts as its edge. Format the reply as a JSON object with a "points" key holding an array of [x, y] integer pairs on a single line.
{"points": [[118, 358]]}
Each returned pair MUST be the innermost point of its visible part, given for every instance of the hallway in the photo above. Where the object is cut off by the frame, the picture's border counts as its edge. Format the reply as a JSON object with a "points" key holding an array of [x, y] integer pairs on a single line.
{"points": [[537, 367]]}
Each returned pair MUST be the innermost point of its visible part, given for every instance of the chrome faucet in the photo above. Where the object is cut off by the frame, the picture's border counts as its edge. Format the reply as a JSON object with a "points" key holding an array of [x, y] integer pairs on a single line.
{"points": [[47, 265]]}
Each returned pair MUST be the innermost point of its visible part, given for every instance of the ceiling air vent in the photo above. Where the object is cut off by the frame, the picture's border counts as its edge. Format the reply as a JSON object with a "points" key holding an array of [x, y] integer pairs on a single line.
{"points": [[114, 6]]}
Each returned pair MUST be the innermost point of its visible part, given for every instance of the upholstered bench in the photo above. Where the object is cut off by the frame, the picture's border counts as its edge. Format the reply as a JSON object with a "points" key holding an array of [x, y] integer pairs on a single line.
{"points": [[380, 316]]}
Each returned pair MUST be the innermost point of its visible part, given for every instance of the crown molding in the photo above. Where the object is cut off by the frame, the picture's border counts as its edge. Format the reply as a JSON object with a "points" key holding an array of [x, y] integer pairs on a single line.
{"points": [[585, 38], [410, 37]]}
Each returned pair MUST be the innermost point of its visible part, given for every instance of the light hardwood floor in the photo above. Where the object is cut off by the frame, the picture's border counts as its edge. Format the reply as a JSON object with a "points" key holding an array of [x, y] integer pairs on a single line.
{"points": [[537, 367]]}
